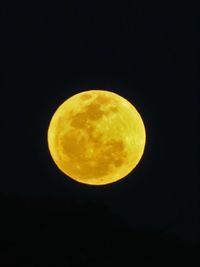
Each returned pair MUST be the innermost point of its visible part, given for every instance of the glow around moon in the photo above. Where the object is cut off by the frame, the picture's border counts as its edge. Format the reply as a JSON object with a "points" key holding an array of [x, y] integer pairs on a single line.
{"points": [[96, 137]]}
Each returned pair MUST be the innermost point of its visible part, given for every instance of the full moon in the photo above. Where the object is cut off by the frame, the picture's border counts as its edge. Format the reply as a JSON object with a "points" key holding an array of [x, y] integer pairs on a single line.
{"points": [[96, 137]]}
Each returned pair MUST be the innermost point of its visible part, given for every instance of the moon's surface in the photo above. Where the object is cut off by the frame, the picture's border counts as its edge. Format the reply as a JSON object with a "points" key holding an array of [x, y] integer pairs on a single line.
{"points": [[96, 137]]}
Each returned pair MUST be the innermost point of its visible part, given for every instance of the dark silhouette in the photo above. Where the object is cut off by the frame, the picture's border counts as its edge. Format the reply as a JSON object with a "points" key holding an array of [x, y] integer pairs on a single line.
{"points": [[63, 233]]}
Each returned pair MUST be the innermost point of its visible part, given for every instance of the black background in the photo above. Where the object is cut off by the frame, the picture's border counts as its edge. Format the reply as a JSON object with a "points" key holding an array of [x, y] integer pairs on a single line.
{"points": [[148, 54]]}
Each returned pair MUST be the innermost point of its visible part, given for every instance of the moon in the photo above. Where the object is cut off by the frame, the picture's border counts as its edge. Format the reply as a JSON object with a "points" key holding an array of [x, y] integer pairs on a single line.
{"points": [[96, 137]]}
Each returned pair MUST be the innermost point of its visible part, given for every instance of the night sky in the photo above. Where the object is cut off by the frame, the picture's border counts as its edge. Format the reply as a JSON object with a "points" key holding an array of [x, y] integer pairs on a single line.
{"points": [[148, 54]]}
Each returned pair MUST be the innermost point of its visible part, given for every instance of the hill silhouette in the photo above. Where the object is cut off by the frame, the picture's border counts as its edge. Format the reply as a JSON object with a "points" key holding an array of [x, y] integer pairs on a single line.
{"points": [[49, 232]]}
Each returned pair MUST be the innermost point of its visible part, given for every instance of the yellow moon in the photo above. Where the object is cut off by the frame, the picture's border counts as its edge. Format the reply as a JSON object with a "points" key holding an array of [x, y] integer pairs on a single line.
{"points": [[96, 137]]}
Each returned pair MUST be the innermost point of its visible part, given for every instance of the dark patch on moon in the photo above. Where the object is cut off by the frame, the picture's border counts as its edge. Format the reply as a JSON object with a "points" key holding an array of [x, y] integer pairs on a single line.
{"points": [[85, 96], [107, 154]]}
